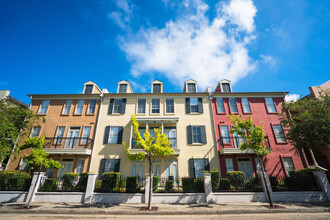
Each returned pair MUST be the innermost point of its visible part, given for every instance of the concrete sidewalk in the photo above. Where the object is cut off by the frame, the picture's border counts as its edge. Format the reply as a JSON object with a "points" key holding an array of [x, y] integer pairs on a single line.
{"points": [[163, 209]]}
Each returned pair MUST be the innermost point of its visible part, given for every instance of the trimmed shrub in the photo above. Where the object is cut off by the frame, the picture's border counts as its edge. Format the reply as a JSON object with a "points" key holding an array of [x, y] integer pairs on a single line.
{"points": [[50, 185], [273, 182], [236, 178], [69, 181], [14, 180], [82, 184], [122, 183], [110, 181], [301, 180], [199, 184], [215, 179], [252, 184], [188, 184], [224, 184], [132, 184], [169, 185], [155, 182]]}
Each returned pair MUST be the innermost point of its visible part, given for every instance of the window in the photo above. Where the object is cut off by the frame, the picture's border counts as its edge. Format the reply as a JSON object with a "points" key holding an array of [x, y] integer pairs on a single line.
{"points": [[197, 166], [67, 107], [35, 131], [171, 168], [22, 166], [229, 164], [156, 88], [237, 139], [246, 106], [137, 169], [44, 107], [86, 133], [279, 133], [80, 165], [88, 89], [270, 105], [226, 87], [113, 135], [221, 107], [288, 164], [141, 106], [196, 134], [50, 172], [122, 88], [258, 165], [109, 165], [80, 106], [191, 87], [91, 108], [59, 135], [169, 105], [117, 106], [155, 108], [233, 106], [225, 134], [194, 105]]}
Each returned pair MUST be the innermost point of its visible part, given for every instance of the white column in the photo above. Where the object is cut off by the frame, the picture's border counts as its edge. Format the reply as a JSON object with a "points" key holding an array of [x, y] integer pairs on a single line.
{"points": [[90, 187], [208, 188], [131, 136], [162, 127], [35, 183], [323, 182]]}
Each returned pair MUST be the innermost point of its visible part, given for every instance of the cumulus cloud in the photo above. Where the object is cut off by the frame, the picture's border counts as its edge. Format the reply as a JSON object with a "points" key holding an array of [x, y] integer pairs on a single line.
{"points": [[292, 97], [123, 14], [193, 46]]}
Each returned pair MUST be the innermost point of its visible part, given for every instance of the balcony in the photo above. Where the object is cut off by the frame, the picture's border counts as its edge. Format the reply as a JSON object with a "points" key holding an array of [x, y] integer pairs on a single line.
{"points": [[68, 146], [136, 149], [230, 145]]}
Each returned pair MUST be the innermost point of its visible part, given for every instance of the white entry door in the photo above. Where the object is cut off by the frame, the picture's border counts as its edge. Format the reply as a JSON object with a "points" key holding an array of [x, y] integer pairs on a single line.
{"points": [[244, 165], [67, 165], [72, 137]]}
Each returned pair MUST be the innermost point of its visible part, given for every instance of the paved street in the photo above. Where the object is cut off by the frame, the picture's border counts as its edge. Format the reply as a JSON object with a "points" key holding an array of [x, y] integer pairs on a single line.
{"points": [[271, 216]]}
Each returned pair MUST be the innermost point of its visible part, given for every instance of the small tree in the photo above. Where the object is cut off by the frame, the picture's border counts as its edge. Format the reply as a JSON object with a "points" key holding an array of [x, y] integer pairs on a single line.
{"points": [[153, 147], [254, 139], [38, 157]]}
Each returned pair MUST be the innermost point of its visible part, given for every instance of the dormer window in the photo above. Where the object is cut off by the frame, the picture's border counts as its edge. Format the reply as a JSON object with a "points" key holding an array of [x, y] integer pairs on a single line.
{"points": [[156, 88], [191, 87], [88, 89], [122, 88], [226, 87]]}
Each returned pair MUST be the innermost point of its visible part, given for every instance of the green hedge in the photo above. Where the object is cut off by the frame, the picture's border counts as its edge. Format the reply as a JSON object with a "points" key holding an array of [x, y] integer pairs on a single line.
{"points": [[169, 185], [50, 185], [215, 178], [252, 184], [188, 184], [132, 184], [236, 178], [199, 184], [110, 181], [224, 184], [82, 184], [273, 182], [14, 180], [155, 182], [68, 181]]}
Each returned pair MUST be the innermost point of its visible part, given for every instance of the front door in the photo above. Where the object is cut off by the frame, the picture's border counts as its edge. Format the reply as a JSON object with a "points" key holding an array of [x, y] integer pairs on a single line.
{"points": [[72, 137], [67, 165], [244, 165]]}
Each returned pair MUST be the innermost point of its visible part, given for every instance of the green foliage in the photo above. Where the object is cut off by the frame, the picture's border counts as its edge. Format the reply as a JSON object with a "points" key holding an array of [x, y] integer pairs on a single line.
{"points": [[122, 183], [132, 184], [50, 185], [155, 183], [224, 184], [306, 122], [14, 121], [14, 181], [38, 157], [110, 181], [215, 178], [252, 184], [303, 172], [82, 184], [169, 185], [273, 182], [68, 181], [301, 180], [199, 184], [236, 178], [188, 184]]}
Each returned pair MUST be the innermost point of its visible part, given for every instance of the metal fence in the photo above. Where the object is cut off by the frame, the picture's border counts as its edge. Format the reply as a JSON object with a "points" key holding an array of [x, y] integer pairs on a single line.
{"points": [[120, 185], [239, 184], [178, 185], [76, 184], [294, 183], [15, 183]]}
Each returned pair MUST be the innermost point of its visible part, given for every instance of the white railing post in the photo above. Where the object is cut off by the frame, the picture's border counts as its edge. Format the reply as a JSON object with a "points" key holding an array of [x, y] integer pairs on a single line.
{"points": [[91, 181], [35, 183], [264, 185], [208, 188], [323, 182]]}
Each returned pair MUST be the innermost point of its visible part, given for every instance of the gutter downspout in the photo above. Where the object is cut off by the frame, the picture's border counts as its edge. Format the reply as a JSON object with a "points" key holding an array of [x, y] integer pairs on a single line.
{"points": [[97, 122], [214, 131]]}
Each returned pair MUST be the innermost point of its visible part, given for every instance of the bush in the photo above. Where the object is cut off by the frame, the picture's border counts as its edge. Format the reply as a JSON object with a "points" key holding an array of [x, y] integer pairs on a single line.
{"points": [[122, 183], [273, 182], [301, 180], [215, 179], [110, 181], [252, 184], [14, 180], [169, 185], [236, 178], [132, 184], [69, 181], [82, 184], [155, 182], [199, 184], [224, 184], [188, 184], [50, 185]]}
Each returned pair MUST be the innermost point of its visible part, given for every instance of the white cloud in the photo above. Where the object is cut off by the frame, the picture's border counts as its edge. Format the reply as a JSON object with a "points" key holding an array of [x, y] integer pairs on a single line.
{"points": [[123, 14], [268, 59], [193, 46], [292, 97]]}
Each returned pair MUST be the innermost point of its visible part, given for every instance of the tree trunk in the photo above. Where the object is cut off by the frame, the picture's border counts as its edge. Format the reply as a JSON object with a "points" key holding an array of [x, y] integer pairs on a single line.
{"points": [[266, 185], [150, 184]]}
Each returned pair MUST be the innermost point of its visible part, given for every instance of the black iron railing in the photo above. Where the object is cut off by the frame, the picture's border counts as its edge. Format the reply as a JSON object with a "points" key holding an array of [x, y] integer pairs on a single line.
{"points": [[69, 142], [294, 183], [123, 185], [63, 184], [236, 141], [239, 184], [172, 141]]}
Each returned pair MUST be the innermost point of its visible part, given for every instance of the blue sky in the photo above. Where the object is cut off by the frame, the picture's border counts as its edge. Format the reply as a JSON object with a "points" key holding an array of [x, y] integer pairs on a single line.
{"points": [[49, 47]]}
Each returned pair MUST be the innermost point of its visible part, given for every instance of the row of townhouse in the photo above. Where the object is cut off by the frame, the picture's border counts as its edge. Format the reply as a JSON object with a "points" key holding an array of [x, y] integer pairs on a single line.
{"points": [[87, 131]]}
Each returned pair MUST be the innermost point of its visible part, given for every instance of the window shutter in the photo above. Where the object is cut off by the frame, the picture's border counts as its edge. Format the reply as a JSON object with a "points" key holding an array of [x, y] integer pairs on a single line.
{"points": [[110, 106], [187, 105], [117, 165], [106, 135], [189, 134], [203, 135], [192, 168], [206, 164], [200, 105], [123, 106], [102, 167], [120, 135]]}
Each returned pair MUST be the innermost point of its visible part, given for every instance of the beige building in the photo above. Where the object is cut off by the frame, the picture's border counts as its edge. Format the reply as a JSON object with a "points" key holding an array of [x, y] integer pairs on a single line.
{"points": [[185, 118]]}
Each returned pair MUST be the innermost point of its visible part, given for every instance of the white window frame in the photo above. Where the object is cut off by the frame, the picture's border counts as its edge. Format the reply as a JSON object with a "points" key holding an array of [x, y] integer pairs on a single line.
{"points": [[222, 87], [33, 132], [85, 135], [271, 108], [80, 161], [279, 135], [232, 105], [169, 106], [80, 107], [44, 107], [59, 135], [287, 169], [246, 105], [154, 107], [138, 106], [121, 90], [117, 104], [194, 106], [23, 164], [225, 138], [220, 103], [67, 107], [231, 163], [113, 136], [196, 133], [92, 106], [155, 85], [194, 88]]}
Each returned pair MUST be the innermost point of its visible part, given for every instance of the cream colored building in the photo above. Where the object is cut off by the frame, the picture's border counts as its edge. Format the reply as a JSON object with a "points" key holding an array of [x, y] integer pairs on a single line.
{"points": [[186, 118]]}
